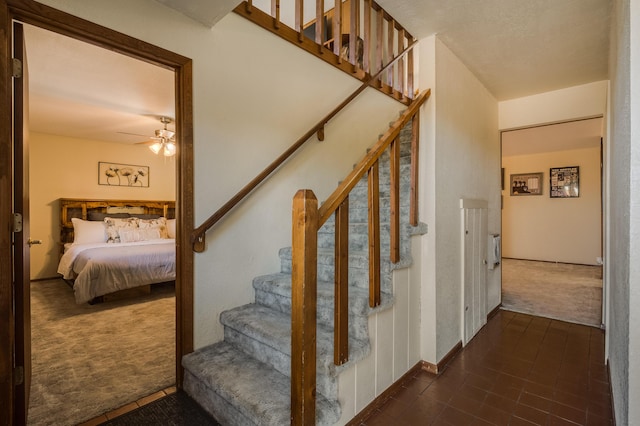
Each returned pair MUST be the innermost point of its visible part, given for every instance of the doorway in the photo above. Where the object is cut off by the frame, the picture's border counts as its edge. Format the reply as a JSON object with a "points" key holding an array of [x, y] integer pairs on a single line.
{"points": [[105, 110], [552, 221], [42, 16]]}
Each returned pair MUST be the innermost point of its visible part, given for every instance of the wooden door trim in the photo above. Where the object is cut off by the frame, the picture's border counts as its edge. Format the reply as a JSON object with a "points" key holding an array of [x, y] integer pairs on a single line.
{"points": [[7, 335], [30, 12]]}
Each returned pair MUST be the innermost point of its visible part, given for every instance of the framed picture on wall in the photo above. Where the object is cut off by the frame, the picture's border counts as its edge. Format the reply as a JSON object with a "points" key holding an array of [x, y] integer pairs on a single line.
{"points": [[117, 174], [564, 182], [526, 184]]}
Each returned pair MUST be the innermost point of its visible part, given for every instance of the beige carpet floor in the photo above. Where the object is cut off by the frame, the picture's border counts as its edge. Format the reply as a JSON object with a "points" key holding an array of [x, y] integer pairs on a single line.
{"points": [[554, 290], [91, 359]]}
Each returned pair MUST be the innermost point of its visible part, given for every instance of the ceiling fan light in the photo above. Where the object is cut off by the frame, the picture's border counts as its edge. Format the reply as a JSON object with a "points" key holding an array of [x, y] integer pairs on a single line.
{"points": [[156, 147], [169, 149]]}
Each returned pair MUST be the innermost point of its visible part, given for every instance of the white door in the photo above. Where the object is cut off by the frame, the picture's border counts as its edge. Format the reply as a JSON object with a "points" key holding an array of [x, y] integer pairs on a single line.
{"points": [[474, 266]]}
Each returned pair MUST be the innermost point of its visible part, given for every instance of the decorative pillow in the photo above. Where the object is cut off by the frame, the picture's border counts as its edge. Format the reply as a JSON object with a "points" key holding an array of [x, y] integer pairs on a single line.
{"points": [[171, 228], [114, 225], [159, 223], [87, 232], [129, 235]]}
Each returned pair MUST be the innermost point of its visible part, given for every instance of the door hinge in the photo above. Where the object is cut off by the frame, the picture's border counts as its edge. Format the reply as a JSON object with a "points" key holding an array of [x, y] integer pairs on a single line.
{"points": [[18, 375], [17, 68], [17, 222]]}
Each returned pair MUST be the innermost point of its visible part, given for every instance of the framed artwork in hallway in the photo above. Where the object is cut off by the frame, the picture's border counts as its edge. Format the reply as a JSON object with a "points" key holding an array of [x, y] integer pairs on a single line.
{"points": [[526, 184], [564, 182]]}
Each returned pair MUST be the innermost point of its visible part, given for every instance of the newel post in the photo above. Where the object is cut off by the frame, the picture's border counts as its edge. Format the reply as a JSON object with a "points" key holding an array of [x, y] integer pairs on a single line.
{"points": [[303, 307]]}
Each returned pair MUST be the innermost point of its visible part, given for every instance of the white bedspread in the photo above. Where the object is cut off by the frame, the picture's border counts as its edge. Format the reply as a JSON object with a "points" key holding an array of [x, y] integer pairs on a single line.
{"points": [[102, 268]]}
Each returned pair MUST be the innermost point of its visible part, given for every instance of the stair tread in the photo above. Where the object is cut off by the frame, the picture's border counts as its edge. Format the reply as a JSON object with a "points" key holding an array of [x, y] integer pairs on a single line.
{"points": [[257, 390]]}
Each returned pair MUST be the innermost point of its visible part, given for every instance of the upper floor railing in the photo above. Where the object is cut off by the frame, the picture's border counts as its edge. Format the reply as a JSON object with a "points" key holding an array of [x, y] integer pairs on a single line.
{"points": [[357, 36]]}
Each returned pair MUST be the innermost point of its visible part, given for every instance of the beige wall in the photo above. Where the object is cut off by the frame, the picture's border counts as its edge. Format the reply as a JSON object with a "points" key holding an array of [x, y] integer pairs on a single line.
{"points": [[61, 167], [554, 229]]}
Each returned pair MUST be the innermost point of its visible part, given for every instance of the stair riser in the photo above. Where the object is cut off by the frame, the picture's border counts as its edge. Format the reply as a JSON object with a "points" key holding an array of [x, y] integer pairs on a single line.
{"points": [[358, 320], [325, 384], [363, 203], [360, 243], [358, 271], [360, 191], [357, 278], [215, 405]]}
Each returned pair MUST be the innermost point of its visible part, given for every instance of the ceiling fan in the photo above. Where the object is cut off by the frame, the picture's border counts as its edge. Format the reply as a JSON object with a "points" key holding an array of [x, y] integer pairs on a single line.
{"points": [[164, 141]]}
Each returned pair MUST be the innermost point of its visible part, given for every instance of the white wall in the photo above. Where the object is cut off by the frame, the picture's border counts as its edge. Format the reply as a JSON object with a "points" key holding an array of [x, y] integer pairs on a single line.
{"points": [[254, 95], [538, 227], [634, 281], [62, 167], [460, 158], [394, 338], [587, 100], [623, 327]]}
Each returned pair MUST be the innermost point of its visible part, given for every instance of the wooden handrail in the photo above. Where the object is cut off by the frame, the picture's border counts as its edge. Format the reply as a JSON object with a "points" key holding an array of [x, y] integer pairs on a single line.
{"points": [[198, 234]]}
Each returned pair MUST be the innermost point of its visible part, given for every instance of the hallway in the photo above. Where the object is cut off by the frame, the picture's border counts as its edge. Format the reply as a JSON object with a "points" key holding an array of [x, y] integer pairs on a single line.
{"points": [[519, 370]]}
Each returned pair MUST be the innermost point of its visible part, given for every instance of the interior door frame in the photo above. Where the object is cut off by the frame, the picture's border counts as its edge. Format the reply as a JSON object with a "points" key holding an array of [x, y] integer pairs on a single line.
{"points": [[30, 12]]}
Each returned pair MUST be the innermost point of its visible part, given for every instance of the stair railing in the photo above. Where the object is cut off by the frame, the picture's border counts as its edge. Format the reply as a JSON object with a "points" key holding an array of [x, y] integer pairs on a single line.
{"points": [[198, 236], [307, 219], [356, 36]]}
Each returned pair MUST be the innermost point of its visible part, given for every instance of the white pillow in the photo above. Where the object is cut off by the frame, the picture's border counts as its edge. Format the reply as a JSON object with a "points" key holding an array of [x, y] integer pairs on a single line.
{"points": [[129, 235], [171, 228], [88, 232], [159, 223]]}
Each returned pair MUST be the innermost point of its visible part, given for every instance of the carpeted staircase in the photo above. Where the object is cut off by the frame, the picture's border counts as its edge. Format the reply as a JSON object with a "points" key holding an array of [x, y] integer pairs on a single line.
{"points": [[245, 379]]}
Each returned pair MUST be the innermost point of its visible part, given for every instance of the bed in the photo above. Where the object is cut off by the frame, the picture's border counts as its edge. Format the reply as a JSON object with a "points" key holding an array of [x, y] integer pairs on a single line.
{"points": [[111, 246]]}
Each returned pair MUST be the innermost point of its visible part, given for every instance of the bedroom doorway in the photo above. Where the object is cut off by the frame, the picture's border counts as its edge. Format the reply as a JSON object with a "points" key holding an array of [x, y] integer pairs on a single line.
{"points": [[42, 16]]}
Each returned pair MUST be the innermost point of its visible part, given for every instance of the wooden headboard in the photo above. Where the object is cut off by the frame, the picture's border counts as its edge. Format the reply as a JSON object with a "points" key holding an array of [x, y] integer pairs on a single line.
{"points": [[82, 209]]}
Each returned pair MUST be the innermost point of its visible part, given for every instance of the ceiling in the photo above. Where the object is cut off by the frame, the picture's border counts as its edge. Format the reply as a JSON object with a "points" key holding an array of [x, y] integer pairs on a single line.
{"points": [[515, 48], [103, 98]]}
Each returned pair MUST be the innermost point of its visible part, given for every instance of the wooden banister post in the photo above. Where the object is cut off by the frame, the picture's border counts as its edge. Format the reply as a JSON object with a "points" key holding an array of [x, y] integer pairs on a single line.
{"points": [[303, 307], [374, 235], [415, 151], [394, 171], [341, 285], [401, 61], [320, 25], [275, 13], [379, 53], [366, 35], [299, 19], [410, 70], [353, 32], [390, 49], [337, 29]]}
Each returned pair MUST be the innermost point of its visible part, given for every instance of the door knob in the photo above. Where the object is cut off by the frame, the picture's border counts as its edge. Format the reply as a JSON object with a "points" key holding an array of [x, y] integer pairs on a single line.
{"points": [[32, 242]]}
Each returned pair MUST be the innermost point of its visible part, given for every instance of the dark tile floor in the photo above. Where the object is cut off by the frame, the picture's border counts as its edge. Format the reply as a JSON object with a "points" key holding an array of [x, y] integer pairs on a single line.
{"points": [[519, 370]]}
